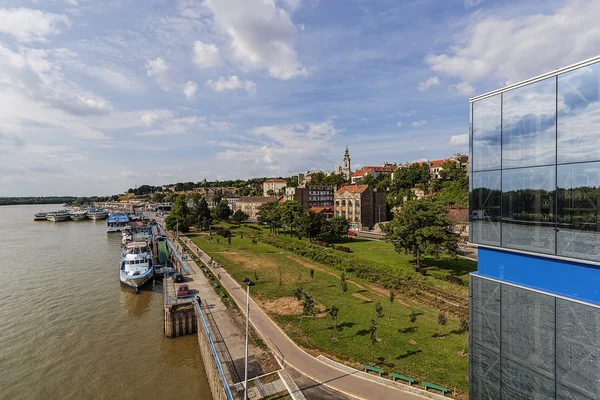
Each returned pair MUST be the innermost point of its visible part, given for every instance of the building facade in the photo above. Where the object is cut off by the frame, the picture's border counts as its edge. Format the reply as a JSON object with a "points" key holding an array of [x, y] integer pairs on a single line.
{"points": [[251, 205], [374, 171], [311, 196], [273, 187], [361, 205], [535, 214]]}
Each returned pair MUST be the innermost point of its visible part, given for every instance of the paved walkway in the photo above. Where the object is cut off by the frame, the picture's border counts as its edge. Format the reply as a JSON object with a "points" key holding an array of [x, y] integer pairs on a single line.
{"points": [[288, 352]]}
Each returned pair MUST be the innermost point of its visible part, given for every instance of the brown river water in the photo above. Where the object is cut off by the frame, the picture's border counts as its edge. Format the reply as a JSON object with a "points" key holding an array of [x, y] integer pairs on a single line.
{"points": [[67, 327]]}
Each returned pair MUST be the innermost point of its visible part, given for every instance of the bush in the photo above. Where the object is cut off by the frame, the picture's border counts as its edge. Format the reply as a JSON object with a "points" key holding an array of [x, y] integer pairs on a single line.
{"points": [[342, 248], [422, 271], [321, 243], [256, 228], [224, 232], [455, 279]]}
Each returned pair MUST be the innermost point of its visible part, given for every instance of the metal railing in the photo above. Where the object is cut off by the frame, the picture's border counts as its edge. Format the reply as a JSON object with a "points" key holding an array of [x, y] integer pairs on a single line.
{"points": [[214, 350], [174, 251]]}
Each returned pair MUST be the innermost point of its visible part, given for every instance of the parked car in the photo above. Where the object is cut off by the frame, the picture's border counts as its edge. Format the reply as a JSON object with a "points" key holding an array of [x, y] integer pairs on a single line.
{"points": [[352, 233], [183, 290], [178, 277]]}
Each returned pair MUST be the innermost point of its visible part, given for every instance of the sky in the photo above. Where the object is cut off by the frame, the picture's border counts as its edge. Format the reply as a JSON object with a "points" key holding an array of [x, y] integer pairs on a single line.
{"points": [[98, 96]]}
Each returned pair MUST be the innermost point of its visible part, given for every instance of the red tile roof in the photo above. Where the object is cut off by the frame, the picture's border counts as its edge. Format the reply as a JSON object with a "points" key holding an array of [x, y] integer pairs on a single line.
{"points": [[275, 180], [321, 209], [376, 168], [257, 199], [436, 163], [353, 188], [459, 215]]}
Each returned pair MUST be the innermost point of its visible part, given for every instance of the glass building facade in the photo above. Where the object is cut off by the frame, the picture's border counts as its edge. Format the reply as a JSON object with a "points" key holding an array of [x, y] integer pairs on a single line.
{"points": [[535, 203]]}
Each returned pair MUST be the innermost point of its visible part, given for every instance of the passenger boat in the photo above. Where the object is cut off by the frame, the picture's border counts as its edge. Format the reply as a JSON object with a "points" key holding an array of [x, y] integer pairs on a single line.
{"points": [[78, 215], [116, 222], [96, 213], [41, 216], [136, 265], [127, 235], [58, 216]]}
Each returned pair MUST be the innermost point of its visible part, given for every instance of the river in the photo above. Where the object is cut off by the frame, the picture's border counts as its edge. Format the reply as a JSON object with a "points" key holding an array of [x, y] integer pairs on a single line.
{"points": [[68, 329]]}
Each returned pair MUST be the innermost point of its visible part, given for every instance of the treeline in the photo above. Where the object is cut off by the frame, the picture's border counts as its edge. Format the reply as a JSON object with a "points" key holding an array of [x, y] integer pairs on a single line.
{"points": [[7, 201]]}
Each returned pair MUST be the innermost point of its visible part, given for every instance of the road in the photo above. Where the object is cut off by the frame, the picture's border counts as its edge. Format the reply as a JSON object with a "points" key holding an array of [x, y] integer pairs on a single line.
{"points": [[287, 351]]}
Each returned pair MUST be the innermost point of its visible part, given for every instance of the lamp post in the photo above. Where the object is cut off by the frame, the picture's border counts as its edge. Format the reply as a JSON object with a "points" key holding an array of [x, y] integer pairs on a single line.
{"points": [[248, 283]]}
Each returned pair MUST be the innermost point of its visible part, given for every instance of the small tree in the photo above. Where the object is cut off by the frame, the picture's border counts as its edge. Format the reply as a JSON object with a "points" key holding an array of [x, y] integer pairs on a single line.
{"points": [[413, 316], [392, 297], [333, 313], [256, 277], [312, 273], [222, 210], [308, 308], [373, 337], [239, 216], [379, 309], [464, 327], [298, 292], [344, 284], [442, 321]]}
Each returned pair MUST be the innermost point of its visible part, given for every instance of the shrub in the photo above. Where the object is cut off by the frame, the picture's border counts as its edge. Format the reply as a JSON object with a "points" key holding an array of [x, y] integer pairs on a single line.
{"points": [[455, 279], [342, 248], [224, 232]]}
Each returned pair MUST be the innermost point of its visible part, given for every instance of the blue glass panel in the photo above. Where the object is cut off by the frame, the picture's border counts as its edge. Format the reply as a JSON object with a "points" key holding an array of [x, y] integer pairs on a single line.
{"points": [[485, 208], [486, 142], [529, 125]]}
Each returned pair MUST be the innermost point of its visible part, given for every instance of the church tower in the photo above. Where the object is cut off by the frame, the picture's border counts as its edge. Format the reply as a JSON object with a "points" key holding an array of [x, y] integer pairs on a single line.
{"points": [[346, 170]]}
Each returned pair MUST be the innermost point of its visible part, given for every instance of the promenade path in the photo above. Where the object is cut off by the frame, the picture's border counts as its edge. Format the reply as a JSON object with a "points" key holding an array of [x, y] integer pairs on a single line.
{"points": [[288, 352]]}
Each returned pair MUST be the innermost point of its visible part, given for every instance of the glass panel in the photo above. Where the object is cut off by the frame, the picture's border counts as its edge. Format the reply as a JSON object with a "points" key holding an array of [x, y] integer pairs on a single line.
{"points": [[485, 309], [486, 134], [579, 115], [577, 350], [578, 199], [485, 208], [528, 221], [529, 125], [528, 344]]}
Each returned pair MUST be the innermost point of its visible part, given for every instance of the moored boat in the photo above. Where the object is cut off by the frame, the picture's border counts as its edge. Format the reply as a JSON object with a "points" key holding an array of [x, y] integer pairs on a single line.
{"points": [[78, 215], [41, 216], [116, 222], [58, 216], [136, 265], [96, 213]]}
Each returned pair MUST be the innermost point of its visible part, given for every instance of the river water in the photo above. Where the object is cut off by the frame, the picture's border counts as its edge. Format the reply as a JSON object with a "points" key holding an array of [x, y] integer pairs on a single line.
{"points": [[67, 327]]}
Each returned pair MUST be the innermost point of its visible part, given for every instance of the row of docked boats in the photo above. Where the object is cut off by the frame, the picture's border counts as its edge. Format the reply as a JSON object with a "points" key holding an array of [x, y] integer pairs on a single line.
{"points": [[68, 215], [137, 258]]}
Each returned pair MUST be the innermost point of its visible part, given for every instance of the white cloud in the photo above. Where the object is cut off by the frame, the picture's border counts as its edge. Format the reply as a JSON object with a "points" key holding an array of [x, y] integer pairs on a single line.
{"points": [[460, 140], [283, 149], [206, 55], [399, 124], [131, 174], [116, 78], [472, 3], [28, 25], [408, 113], [520, 47], [433, 81], [417, 124], [262, 35], [292, 5], [423, 148], [150, 119], [463, 88], [232, 82], [164, 175], [190, 89], [159, 70]]}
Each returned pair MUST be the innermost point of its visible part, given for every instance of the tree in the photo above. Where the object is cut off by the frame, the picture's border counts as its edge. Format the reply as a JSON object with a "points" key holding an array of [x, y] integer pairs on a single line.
{"points": [[413, 316], [406, 178], [201, 214], [379, 309], [158, 197], [373, 337], [308, 308], [297, 293], [344, 284], [310, 225], [179, 216], [333, 313], [292, 181], [239, 216], [442, 321], [290, 213], [392, 297], [335, 228], [268, 214], [222, 210], [464, 327], [422, 228], [312, 273]]}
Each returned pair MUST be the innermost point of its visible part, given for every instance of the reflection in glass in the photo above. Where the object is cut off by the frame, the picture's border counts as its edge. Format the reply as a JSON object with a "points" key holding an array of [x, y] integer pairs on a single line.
{"points": [[528, 344], [579, 115], [528, 221], [486, 134], [529, 125], [485, 208], [578, 199]]}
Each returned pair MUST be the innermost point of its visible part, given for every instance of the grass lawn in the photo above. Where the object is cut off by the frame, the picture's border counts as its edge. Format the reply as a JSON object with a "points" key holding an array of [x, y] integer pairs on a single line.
{"points": [[404, 347]]}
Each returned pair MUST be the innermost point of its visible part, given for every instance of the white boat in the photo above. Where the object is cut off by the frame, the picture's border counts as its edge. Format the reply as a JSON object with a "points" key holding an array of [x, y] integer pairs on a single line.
{"points": [[116, 222], [127, 235], [58, 216], [41, 216], [136, 265], [78, 215], [96, 213]]}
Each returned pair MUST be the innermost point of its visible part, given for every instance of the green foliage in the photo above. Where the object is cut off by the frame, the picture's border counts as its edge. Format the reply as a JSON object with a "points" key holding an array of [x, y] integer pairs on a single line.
{"points": [[222, 210], [406, 178], [442, 321], [452, 189], [413, 316], [292, 181], [379, 309], [158, 197], [179, 216], [319, 178], [392, 297], [239, 216], [201, 213], [310, 225], [422, 228], [464, 325], [312, 273], [298, 293], [268, 214], [334, 229], [290, 213], [373, 336], [333, 313]]}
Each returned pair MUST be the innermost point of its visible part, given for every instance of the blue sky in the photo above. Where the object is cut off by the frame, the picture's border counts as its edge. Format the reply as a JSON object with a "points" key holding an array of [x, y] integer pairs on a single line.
{"points": [[97, 96]]}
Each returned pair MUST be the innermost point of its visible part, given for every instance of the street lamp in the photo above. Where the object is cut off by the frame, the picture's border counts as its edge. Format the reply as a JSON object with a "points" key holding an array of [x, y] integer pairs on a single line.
{"points": [[248, 283]]}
